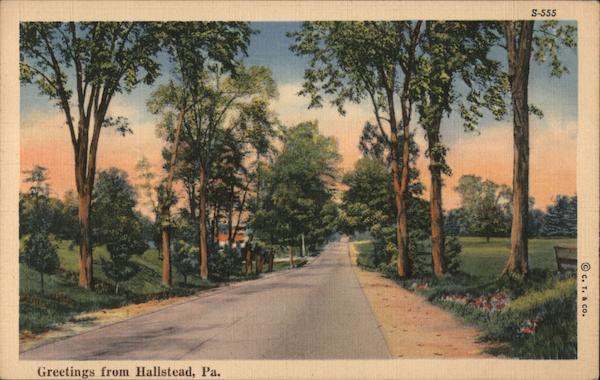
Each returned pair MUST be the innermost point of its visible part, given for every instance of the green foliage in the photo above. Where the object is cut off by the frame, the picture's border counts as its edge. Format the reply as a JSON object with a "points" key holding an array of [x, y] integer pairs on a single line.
{"points": [[40, 254], [456, 51], [548, 38], [369, 205], [126, 240], [536, 298], [486, 206], [119, 54], [354, 61], [561, 219], [296, 196], [116, 224], [452, 252], [223, 264], [186, 259]]}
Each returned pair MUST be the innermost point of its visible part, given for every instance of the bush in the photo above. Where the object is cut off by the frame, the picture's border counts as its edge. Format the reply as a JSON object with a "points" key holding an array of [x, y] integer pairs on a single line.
{"points": [[222, 264], [40, 254], [186, 259]]}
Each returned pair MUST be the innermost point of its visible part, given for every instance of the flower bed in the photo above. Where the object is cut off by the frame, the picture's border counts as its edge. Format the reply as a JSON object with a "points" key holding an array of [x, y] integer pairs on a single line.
{"points": [[493, 303]]}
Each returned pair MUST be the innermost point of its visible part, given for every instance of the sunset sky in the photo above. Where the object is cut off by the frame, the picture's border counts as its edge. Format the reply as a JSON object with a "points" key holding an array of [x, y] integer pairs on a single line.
{"points": [[488, 153]]}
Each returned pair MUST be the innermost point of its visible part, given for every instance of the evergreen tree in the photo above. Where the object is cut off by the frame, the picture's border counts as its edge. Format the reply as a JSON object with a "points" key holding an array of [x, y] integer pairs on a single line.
{"points": [[561, 219]]}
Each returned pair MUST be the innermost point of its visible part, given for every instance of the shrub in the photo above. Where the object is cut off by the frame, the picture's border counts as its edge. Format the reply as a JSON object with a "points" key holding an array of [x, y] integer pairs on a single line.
{"points": [[222, 264], [186, 259], [40, 254]]}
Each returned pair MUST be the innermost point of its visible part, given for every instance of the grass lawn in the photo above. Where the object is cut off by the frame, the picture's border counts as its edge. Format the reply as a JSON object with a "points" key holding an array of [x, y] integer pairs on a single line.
{"points": [[63, 299], [484, 259], [533, 318], [487, 259]]}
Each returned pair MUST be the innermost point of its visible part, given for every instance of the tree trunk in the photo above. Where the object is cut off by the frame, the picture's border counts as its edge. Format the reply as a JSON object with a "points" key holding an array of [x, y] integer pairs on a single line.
{"points": [[487, 239], [259, 262], [166, 208], [42, 281], [215, 225], [166, 261], [435, 198], [291, 251], [117, 289], [404, 267], [271, 259], [230, 237], [86, 275], [248, 263], [519, 56], [403, 263], [192, 199], [202, 225]]}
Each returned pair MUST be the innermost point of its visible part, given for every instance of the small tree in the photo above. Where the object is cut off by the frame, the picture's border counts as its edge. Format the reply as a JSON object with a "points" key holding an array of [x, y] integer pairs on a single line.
{"points": [[561, 219], [186, 259], [126, 240], [117, 225], [40, 254]]}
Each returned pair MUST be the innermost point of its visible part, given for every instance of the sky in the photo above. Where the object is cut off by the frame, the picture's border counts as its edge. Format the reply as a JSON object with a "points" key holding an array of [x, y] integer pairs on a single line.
{"points": [[486, 153]]}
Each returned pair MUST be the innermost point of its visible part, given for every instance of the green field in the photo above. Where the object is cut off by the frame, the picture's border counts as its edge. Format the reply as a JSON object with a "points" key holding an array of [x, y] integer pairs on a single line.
{"points": [[487, 259]]}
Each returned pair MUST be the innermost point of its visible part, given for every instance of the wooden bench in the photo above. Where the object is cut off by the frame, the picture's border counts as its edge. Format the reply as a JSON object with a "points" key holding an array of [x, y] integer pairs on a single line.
{"points": [[559, 251]]}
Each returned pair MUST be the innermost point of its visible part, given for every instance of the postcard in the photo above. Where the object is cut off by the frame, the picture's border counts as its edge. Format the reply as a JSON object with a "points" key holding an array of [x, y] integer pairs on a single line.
{"points": [[299, 190]]}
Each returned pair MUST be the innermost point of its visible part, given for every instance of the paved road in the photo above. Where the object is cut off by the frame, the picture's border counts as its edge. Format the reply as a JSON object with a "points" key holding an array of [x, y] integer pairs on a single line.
{"points": [[316, 312]]}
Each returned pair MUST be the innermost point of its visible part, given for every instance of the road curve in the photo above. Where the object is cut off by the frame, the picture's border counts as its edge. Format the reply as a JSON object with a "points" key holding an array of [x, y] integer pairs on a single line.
{"points": [[316, 312]]}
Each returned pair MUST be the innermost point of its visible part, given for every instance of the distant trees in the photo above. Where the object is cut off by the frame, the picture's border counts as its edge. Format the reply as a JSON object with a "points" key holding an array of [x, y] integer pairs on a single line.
{"points": [[296, 195], [486, 211], [484, 204], [561, 217]]}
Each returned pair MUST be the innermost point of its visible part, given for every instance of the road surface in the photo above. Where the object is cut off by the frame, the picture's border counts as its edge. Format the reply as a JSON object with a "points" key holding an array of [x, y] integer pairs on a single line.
{"points": [[316, 312]]}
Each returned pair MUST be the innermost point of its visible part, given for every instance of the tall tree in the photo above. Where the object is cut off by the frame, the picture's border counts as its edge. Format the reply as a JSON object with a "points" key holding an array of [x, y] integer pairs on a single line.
{"points": [[523, 41], [376, 62], [192, 46], [212, 123], [452, 51], [95, 61]]}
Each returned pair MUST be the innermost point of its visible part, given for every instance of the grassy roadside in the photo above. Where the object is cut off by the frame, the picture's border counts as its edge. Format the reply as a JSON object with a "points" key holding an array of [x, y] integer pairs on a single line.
{"points": [[531, 319], [65, 302]]}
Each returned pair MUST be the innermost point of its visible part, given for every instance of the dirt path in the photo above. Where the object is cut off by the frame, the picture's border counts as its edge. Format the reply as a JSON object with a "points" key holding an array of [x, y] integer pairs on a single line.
{"points": [[413, 327]]}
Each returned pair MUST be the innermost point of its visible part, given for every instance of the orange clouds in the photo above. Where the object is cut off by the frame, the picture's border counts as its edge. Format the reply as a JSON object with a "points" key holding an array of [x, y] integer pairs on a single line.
{"points": [[45, 141]]}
